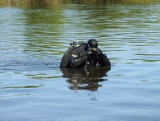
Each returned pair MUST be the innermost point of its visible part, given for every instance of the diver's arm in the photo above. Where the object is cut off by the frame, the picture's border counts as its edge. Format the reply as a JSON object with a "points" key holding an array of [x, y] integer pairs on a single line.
{"points": [[103, 59]]}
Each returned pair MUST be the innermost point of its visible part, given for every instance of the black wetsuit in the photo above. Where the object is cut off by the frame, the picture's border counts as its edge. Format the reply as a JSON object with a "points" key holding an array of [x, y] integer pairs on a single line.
{"points": [[80, 55]]}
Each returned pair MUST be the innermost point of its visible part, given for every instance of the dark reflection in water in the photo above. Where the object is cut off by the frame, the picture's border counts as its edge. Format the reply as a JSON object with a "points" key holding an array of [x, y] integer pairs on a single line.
{"points": [[85, 79]]}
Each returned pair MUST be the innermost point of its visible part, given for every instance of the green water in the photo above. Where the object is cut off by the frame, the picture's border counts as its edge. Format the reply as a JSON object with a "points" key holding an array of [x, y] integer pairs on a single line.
{"points": [[33, 38]]}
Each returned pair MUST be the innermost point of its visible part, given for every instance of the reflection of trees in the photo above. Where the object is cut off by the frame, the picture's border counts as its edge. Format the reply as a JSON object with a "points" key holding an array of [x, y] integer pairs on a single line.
{"points": [[85, 79], [102, 18], [95, 1], [30, 3], [44, 3], [114, 1], [53, 3], [43, 28]]}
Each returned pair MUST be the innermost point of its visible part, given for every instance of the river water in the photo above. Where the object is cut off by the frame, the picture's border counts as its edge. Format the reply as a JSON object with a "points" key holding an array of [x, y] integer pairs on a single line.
{"points": [[33, 38]]}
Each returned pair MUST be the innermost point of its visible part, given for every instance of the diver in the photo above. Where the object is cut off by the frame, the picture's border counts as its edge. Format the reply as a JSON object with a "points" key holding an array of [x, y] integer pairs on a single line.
{"points": [[81, 54]]}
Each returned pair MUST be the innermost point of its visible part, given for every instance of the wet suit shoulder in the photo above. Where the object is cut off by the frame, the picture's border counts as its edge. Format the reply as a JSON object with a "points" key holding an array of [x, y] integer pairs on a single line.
{"points": [[65, 58], [75, 56]]}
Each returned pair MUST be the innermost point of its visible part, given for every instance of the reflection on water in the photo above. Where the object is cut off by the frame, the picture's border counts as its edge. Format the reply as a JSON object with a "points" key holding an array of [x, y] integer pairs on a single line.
{"points": [[85, 79], [55, 3], [19, 87], [43, 27], [11, 96]]}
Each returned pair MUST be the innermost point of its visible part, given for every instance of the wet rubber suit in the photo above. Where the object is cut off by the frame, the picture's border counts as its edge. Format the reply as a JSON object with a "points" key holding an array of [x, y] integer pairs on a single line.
{"points": [[81, 54]]}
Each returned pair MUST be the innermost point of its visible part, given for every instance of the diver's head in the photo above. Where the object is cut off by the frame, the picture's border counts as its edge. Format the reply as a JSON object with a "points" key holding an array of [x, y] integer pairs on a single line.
{"points": [[92, 43]]}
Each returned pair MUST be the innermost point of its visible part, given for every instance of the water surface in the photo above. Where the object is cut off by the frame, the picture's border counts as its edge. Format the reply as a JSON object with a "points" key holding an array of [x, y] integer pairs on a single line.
{"points": [[33, 38]]}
